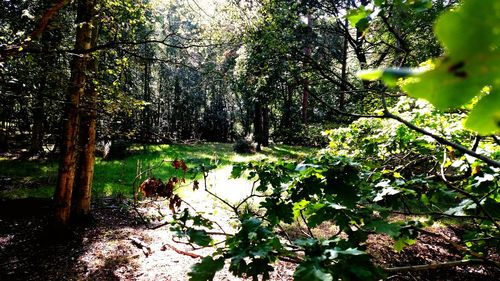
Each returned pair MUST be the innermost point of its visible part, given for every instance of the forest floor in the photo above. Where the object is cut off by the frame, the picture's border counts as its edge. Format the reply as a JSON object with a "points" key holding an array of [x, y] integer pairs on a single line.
{"points": [[117, 245]]}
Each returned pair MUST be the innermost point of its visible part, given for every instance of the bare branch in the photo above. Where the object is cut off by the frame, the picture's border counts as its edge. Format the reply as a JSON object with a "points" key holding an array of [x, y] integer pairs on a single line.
{"points": [[42, 25], [442, 140], [433, 265]]}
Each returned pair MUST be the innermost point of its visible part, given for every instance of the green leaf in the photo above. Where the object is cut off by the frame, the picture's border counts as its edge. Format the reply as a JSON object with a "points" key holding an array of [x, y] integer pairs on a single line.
{"points": [[468, 66], [334, 253], [359, 18], [370, 74], [403, 242], [390, 75], [199, 237], [475, 21], [381, 226], [311, 271], [237, 171], [206, 269], [421, 5], [451, 84], [485, 117], [306, 242]]}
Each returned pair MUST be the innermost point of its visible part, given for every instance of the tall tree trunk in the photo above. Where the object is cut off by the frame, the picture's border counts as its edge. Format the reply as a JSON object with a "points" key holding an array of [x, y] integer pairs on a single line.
{"points": [[344, 87], [76, 88], [38, 117], [265, 125], [86, 144], [257, 125], [307, 54], [146, 113]]}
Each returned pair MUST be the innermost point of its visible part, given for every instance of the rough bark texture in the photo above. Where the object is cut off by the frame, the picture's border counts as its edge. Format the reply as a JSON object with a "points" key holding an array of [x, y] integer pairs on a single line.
{"points": [[76, 88], [86, 141]]}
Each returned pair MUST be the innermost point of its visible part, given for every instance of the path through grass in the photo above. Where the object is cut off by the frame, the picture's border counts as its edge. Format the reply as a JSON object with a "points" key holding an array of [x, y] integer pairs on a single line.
{"points": [[20, 179]]}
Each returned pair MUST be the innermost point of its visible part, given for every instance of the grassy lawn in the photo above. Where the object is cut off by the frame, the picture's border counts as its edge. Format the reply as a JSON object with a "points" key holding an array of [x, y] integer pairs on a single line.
{"points": [[19, 179]]}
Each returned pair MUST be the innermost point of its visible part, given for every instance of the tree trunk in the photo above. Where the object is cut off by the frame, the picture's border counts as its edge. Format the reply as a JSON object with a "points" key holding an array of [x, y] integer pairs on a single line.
{"points": [[344, 87], [257, 125], [146, 113], [265, 125], [76, 87], [86, 140], [38, 117], [307, 54]]}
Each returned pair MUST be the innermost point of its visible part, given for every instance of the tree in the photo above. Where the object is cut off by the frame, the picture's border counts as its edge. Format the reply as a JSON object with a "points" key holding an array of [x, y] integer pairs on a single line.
{"points": [[76, 89]]}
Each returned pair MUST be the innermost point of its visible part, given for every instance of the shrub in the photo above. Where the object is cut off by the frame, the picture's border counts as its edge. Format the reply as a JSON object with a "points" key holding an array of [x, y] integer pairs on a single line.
{"points": [[244, 146]]}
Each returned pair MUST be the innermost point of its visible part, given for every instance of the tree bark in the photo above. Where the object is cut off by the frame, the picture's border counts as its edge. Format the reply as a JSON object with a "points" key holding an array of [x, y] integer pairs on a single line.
{"points": [[257, 125], [344, 88], [307, 54], [86, 141], [76, 88], [38, 117], [265, 125]]}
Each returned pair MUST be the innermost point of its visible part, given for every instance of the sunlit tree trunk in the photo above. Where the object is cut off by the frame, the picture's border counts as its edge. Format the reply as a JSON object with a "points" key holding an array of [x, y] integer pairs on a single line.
{"points": [[86, 141], [76, 88]]}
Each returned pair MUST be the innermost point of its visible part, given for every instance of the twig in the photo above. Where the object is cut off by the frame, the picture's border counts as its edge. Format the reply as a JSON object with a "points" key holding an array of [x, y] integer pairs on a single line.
{"points": [[305, 222], [443, 176], [192, 255], [141, 245], [216, 196], [139, 175], [442, 140], [476, 201], [433, 265], [42, 25], [495, 139]]}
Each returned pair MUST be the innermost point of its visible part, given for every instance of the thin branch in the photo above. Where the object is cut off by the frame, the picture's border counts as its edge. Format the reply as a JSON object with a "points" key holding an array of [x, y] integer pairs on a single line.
{"points": [[495, 139], [235, 210], [305, 222], [477, 140], [443, 176], [42, 25], [476, 201], [442, 140], [433, 265], [438, 214]]}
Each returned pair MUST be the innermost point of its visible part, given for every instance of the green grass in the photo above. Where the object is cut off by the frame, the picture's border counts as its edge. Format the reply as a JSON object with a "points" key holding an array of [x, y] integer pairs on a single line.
{"points": [[38, 178]]}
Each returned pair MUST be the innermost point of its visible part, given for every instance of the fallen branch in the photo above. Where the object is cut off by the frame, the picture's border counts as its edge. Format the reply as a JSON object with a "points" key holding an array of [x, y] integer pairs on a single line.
{"points": [[192, 255], [433, 265], [141, 245]]}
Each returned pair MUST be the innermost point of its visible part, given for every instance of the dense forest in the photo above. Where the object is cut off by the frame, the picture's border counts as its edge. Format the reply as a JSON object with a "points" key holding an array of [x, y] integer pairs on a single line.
{"points": [[372, 120]]}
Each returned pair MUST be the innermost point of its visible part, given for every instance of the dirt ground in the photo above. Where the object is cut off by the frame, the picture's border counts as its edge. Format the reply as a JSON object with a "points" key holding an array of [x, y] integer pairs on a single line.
{"points": [[105, 249], [111, 246]]}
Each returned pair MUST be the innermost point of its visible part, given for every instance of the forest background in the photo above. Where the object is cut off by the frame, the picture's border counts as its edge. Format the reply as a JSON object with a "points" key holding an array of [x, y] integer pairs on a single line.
{"points": [[76, 75]]}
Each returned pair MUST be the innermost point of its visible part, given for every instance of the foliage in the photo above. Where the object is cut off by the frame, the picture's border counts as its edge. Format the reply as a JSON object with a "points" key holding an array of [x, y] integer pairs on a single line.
{"points": [[244, 146], [383, 138], [307, 135], [360, 197], [469, 70]]}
